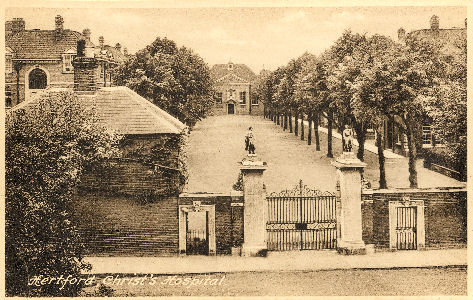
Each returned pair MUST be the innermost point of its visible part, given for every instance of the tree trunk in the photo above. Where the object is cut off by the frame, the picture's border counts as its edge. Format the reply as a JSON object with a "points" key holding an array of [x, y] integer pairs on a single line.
{"points": [[285, 121], [277, 119], [302, 126], [360, 130], [296, 125], [411, 145], [316, 131], [329, 140], [290, 122], [382, 170], [309, 133]]}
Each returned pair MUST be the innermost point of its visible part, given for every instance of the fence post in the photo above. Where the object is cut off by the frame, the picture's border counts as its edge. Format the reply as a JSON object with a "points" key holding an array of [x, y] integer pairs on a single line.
{"points": [[254, 213], [349, 170]]}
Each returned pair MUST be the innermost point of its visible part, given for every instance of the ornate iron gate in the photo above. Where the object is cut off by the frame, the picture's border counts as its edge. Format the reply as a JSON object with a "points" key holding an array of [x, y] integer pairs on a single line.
{"points": [[301, 219], [406, 228]]}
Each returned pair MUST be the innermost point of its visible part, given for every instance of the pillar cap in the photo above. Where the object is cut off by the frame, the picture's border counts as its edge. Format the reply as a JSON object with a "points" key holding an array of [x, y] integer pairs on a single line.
{"points": [[348, 160], [251, 162]]}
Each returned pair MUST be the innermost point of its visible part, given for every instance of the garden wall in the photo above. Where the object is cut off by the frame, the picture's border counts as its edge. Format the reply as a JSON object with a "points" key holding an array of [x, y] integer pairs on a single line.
{"points": [[445, 215], [124, 226]]}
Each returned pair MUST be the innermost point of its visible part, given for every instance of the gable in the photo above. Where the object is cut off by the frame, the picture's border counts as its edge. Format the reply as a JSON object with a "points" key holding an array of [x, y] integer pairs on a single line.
{"points": [[231, 78]]}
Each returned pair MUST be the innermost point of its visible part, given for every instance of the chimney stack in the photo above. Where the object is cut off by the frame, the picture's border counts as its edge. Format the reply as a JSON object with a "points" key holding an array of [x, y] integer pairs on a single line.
{"points": [[14, 26], [125, 51], [118, 47], [86, 33], [85, 69], [401, 34], [465, 23], [434, 23], [101, 42], [59, 27]]}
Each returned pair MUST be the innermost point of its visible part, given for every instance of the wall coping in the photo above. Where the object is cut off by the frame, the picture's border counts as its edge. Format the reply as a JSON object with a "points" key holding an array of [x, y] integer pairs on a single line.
{"points": [[210, 195], [418, 190]]}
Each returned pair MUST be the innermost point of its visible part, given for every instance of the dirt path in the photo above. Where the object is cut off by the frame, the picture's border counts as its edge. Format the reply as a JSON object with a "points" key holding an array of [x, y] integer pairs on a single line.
{"points": [[217, 145]]}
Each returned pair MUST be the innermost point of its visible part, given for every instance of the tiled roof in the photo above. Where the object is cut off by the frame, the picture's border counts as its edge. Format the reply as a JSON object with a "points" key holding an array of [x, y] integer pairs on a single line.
{"points": [[117, 55], [220, 70], [124, 111], [42, 43]]}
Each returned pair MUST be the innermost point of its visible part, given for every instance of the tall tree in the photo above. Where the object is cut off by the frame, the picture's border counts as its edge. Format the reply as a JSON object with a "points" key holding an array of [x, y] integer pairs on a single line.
{"points": [[48, 144], [175, 79]]}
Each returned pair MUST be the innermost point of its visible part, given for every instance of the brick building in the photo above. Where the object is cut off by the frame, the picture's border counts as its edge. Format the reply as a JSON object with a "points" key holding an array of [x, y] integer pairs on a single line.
{"points": [[36, 59], [132, 198], [233, 83], [450, 41]]}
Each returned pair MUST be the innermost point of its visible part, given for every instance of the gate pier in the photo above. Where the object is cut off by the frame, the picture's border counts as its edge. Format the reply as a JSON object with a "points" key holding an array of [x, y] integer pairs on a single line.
{"points": [[254, 195], [349, 170]]}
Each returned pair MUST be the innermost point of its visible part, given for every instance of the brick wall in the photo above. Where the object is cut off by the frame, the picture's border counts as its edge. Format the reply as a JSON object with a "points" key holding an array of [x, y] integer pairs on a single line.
{"points": [[445, 216], [123, 226], [140, 170], [228, 218]]}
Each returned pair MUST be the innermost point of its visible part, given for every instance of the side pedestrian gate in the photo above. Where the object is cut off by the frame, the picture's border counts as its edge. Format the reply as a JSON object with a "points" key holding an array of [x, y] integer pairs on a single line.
{"points": [[301, 219]]}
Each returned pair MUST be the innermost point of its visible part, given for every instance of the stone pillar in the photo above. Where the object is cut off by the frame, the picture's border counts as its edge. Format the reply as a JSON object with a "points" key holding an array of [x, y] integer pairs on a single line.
{"points": [[254, 214], [349, 239]]}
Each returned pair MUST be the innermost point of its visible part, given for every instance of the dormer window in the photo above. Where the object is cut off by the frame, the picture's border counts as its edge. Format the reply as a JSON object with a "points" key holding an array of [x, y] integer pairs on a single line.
{"points": [[67, 59], [230, 67]]}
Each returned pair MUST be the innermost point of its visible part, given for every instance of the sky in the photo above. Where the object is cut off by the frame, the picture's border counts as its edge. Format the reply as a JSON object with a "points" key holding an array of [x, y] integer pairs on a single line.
{"points": [[260, 37]]}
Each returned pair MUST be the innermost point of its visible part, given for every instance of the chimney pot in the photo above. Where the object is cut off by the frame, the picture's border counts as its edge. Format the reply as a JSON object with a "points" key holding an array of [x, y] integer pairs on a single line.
{"points": [[101, 41], [125, 51], [434, 23], [86, 33], [401, 34]]}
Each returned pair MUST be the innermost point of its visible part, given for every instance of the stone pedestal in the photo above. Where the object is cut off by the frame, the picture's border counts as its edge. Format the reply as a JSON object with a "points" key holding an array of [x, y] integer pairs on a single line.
{"points": [[254, 195], [349, 237]]}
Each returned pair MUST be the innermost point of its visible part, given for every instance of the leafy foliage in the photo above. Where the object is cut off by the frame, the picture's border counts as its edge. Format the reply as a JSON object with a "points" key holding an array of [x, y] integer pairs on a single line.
{"points": [[175, 79], [48, 144], [365, 80]]}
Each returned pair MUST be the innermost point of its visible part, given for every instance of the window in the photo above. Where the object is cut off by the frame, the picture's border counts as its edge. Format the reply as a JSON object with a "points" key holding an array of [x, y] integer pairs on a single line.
{"points": [[230, 93], [426, 135], [254, 101], [8, 101], [8, 64], [230, 67], [67, 63], [219, 97], [243, 97]]}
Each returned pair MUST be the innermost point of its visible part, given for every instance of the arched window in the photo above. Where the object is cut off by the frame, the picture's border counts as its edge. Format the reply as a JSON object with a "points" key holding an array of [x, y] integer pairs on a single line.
{"points": [[37, 79]]}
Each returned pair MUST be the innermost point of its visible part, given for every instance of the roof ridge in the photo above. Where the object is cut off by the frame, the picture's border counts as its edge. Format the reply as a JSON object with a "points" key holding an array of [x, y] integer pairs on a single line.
{"points": [[172, 124]]}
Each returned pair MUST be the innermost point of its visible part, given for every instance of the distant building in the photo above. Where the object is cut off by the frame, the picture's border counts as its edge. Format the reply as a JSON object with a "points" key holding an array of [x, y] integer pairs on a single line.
{"points": [[451, 42], [233, 83], [36, 59]]}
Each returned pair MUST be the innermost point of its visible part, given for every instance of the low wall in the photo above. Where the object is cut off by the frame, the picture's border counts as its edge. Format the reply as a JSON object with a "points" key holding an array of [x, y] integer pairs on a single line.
{"points": [[228, 217], [445, 215], [123, 226]]}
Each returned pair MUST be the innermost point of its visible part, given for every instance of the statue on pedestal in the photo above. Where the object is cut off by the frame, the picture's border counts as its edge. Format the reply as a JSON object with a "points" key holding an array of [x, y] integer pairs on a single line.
{"points": [[347, 139]]}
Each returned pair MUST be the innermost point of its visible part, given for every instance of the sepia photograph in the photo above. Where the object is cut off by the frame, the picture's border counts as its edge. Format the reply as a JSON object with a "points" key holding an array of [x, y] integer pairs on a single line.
{"points": [[206, 149]]}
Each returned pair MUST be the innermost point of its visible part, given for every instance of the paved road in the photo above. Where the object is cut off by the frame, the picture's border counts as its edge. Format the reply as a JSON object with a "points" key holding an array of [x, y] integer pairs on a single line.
{"points": [[393, 282], [217, 144]]}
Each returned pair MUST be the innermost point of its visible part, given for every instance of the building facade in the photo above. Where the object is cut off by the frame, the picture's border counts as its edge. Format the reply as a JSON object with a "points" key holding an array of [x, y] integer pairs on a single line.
{"points": [[233, 83], [36, 59]]}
